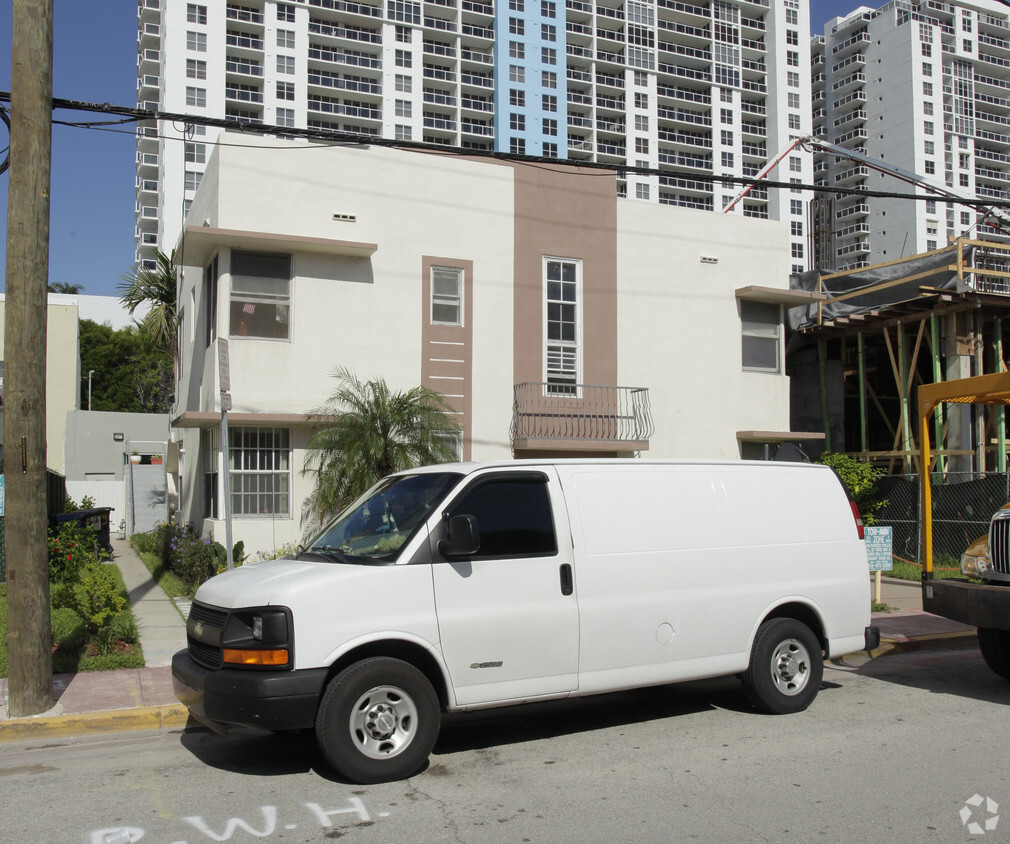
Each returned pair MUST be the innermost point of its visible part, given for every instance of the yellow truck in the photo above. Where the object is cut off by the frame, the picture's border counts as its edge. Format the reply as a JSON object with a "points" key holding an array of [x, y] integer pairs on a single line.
{"points": [[985, 604]]}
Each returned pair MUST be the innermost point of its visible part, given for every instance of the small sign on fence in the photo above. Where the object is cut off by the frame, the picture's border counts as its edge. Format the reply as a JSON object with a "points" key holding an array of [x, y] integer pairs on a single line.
{"points": [[879, 550]]}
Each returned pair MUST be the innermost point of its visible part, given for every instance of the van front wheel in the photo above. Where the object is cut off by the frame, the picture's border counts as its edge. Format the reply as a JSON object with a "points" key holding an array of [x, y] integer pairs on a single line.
{"points": [[378, 720], [786, 667]]}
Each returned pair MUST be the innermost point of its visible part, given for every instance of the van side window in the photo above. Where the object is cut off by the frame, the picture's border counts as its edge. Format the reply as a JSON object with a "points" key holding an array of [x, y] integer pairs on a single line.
{"points": [[513, 516]]}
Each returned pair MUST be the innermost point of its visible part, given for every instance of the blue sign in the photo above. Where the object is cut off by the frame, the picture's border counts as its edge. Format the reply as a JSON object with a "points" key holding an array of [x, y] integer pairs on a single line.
{"points": [[879, 550]]}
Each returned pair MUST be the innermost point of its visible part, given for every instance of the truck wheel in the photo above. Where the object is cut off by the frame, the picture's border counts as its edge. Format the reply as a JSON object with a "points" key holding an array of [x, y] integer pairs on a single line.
{"points": [[378, 720], [786, 667], [995, 647]]}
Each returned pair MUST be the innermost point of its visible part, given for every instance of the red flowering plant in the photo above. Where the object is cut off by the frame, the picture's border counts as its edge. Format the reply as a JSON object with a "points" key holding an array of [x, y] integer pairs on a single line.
{"points": [[71, 547]]}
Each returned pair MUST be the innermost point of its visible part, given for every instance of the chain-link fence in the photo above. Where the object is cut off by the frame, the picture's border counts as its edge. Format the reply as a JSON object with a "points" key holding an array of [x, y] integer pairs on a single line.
{"points": [[963, 503]]}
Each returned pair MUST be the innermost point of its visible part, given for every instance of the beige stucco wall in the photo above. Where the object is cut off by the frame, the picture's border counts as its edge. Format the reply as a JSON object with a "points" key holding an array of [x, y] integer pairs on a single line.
{"points": [[62, 375]]}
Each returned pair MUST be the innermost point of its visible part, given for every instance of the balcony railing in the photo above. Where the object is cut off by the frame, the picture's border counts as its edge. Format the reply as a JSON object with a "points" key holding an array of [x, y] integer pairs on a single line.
{"points": [[581, 414]]}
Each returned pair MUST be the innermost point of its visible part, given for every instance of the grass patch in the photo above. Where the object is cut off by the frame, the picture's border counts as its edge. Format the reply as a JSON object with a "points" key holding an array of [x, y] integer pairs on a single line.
{"points": [[879, 606], [94, 654], [907, 570], [172, 586]]}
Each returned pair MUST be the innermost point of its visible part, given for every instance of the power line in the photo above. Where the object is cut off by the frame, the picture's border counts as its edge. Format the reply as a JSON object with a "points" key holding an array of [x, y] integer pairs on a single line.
{"points": [[131, 114]]}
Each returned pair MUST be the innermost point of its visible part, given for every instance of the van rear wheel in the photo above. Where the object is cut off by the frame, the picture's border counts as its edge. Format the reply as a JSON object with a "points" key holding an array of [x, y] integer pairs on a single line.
{"points": [[786, 667], [995, 647], [378, 720]]}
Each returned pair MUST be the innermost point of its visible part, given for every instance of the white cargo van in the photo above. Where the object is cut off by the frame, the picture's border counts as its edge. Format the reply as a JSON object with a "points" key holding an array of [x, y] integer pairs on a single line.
{"points": [[466, 586]]}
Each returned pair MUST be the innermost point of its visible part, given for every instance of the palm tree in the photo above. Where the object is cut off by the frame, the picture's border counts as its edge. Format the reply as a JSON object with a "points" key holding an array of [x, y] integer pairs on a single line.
{"points": [[64, 287], [157, 287], [367, 431]]}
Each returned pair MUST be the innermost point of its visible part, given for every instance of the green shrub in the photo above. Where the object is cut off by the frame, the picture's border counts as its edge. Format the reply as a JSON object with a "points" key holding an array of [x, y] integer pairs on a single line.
{"points": [[860, 479], [147, 543], [198, 560], [97, 596], [123, 628], [71, 547], [69, 630]]}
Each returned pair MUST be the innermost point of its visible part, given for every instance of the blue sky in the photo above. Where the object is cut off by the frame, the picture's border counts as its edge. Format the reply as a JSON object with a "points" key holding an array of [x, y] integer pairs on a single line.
{"points": [[92, 197]]}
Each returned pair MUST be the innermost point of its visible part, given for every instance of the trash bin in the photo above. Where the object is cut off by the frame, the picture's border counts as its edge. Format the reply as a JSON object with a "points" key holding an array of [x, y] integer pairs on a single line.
{"points": [[96, 517]]}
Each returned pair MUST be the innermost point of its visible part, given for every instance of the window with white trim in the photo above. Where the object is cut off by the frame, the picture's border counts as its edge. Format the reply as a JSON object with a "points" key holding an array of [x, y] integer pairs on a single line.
{"points": [[562, 289], [210, 472], [260, 303], [446, 296], [259, 468], [761, 324]]}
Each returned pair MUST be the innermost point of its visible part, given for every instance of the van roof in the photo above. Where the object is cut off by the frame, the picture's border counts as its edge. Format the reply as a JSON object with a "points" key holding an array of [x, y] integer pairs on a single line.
{"points": [[469, 467]]}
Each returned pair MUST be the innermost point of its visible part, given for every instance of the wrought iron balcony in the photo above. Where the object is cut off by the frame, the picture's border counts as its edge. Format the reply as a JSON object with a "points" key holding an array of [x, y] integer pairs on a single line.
{"points": [[581, 416]]}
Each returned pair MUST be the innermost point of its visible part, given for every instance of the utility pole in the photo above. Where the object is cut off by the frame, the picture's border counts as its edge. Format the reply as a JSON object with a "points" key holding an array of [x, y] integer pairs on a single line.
{"points": [[29, 632]]}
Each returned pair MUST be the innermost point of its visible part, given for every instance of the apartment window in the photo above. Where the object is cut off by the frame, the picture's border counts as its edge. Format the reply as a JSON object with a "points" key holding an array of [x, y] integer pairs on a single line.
{"points": [[641, 123], [210, 301], [963, 179], [286, 64], [196, 97], [286, 117], [792, 37], [285, 90], [550, 127], [446, 296], [403, 58], [966, 45], [928, 147], [404, 83], [965, 218], [403, 108], [517, 122], [927, 50], [550, 150], [517, 97], [725, 95], [927, 127], [196, 13], [927, 109], [792, 58], [517, 73], [930, 206], [641, 79], [930, 168], [403, 133], [259, 468], [642, 146], [760, 327], [797, 250], [641, 191], [796, 206], [196, 69], [517, 50], [517, 146], [927, 89], [796, 228], [548, 9], [641, 100], [550, 102], [726, 116], [286, 39], [562, 284], [517, 26], [793, 79], [727, 159], [517, 5], [549, 79], [260, 294], [403, 34], [548, 32], [195, 153], [209, 449], [726, 137], [285, 13], [196, 41], [549, 55], [796, 186], [794, 121], [927, 69], [795, 164], [792, 17], [404, 11], [793, 99], [964, 160], [930, 245]]}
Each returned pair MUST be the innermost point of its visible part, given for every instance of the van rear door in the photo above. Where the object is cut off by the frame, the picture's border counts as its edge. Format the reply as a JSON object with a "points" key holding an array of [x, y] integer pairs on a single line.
{"points": [[507, 615]]}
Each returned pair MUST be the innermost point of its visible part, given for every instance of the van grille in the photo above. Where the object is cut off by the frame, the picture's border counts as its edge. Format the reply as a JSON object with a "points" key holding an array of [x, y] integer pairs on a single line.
{"points": [[999, 542], [203, 634]]}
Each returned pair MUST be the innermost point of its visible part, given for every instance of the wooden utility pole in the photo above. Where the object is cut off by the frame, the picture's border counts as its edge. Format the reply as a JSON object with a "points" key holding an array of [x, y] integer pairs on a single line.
{"points": [[29, 633]]}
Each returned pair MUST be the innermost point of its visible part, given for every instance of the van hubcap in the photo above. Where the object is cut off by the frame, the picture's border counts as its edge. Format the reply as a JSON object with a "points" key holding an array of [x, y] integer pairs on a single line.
{"points": [[790, 667], [383, 722]]}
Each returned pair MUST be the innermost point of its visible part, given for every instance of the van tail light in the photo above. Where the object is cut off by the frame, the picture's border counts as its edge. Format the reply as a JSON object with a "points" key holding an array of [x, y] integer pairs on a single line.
{"points": [[859, 520]]}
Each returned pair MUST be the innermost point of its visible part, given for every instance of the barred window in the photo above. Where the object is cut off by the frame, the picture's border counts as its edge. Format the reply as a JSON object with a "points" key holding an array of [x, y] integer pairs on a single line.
{"points": [[259, 465]]}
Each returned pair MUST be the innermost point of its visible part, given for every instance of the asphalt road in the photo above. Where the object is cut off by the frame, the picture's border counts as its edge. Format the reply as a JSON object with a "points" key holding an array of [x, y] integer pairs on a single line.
{"points": [[909, 747]]}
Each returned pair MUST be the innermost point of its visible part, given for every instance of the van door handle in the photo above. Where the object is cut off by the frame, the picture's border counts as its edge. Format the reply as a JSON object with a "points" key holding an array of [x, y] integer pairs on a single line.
{"points": [[567, 586]]}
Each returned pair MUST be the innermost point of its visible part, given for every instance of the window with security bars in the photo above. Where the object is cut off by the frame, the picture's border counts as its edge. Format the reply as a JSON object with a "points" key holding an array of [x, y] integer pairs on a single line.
{"points": [[260, 295], [562, 280], [259, 467], [446, 296], [760, 327]]}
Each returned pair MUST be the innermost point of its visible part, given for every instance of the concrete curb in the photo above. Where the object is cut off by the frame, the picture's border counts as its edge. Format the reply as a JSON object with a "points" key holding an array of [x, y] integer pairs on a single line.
{"points": [[166, 717], [931, 642]]}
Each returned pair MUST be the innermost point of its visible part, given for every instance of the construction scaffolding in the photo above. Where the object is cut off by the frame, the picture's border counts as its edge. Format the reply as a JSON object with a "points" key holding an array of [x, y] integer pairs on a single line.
{"points": [[876, 334]]}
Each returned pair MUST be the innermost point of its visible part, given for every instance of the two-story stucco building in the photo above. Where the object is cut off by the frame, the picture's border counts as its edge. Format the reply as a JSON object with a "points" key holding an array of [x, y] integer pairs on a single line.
{"points": [[557, 318]]}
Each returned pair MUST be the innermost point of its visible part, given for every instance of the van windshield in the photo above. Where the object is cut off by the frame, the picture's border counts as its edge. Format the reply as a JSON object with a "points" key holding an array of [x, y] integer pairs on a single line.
{"points": [[376, 526]]}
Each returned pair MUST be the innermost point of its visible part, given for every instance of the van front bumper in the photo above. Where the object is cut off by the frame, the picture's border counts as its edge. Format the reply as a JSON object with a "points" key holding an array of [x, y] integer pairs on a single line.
{"points": [[270, 700]]}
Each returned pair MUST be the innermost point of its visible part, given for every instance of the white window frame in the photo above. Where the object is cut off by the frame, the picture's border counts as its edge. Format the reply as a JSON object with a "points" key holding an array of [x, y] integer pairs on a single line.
{"points": [[760, 330], [562, 358], [244, 467], [443, 299]]}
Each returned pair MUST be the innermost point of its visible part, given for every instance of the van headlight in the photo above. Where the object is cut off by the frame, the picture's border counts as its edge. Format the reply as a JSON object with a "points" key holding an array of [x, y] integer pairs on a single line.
{"points": [[258, 638], [974, 566]]}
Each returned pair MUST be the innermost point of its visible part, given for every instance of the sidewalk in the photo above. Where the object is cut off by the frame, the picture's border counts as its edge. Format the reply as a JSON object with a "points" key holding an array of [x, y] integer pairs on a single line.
{"points": [[142, 698]]}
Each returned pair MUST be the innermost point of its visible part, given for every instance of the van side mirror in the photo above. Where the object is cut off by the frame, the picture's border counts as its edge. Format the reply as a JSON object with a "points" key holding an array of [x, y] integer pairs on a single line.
{"points": [[462, 539]]}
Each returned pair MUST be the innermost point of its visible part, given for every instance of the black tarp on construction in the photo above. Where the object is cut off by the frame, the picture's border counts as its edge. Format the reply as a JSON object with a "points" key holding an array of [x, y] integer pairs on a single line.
{"points": [[883, 285]]}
